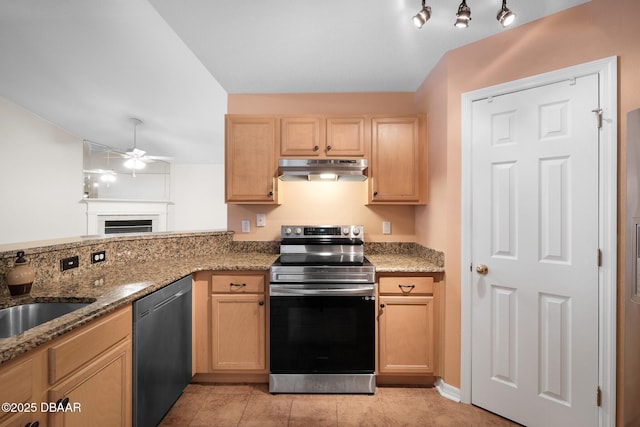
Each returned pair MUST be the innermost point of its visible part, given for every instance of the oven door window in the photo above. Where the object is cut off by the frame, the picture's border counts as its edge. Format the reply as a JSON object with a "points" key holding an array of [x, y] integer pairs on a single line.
{"points": [[322, 334]]}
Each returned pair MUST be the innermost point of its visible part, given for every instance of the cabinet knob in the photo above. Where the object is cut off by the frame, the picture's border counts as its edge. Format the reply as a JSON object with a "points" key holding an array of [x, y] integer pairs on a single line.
{"points": [[260, 302], [316, 148], [375, 193], [329, 148], [270, 193], [382, 305]]}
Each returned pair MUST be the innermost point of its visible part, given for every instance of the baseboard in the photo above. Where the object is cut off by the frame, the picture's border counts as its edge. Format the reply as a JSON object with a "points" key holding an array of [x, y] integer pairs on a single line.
{"points": [[445, 390]]}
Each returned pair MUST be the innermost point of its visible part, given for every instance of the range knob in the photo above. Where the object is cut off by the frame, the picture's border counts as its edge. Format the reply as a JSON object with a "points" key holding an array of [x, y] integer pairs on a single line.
{"points": [[298, 231], [356, 231], [345, 231], [288, 231]]}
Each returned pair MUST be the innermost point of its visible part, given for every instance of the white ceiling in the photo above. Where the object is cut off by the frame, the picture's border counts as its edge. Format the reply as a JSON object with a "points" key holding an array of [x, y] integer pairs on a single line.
{"points": [[90, 65]]}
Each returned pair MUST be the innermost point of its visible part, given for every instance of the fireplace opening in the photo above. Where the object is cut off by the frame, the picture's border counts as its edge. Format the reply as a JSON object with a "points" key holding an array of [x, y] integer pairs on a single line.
{"points": [[118, 226]]}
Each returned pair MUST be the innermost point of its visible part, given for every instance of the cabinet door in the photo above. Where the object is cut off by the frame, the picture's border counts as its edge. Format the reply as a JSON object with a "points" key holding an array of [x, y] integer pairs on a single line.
{"points": [[238, 332], [250, 162], [397, 160], [406, 343], [22, 386], [346, 137], [98, 394], [301, 136]]}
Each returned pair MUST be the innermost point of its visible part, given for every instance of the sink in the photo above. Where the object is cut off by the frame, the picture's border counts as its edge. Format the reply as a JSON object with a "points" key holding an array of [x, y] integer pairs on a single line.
{"points": [[17, 319]]}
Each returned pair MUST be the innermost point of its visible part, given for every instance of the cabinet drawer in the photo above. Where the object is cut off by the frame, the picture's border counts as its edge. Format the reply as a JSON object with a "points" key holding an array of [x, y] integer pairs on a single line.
{"points": [[237, 284], [415, 285], [71, 353]]}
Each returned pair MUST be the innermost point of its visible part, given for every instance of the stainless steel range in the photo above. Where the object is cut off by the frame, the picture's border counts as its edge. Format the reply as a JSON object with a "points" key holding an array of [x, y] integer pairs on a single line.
{"points": [[322, 312]]}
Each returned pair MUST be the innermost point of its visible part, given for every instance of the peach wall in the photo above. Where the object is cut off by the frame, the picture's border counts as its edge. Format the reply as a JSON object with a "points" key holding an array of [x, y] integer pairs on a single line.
{"points": [[328, 203], [594, 30]]}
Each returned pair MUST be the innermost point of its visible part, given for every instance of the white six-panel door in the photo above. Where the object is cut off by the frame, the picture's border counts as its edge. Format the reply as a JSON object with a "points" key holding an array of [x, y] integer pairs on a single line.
{"points": [[535, 227]]}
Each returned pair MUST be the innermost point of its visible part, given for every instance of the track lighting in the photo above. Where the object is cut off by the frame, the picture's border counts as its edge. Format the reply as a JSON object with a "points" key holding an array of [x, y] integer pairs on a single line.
{"points": [[463, 16], [505, 16], [423, 16]]}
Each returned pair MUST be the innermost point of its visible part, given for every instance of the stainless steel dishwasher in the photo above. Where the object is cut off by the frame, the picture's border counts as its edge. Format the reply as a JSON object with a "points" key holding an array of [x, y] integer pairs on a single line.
{"points": [[161, 351]]}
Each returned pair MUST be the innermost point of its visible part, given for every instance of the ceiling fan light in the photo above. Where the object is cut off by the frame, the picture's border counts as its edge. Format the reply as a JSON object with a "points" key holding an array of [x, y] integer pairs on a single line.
{"points": [[134, 164], [505, 16], [463, 16]]}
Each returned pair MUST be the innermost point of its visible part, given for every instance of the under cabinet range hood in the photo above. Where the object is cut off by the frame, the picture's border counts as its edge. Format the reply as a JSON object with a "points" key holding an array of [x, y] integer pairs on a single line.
{"points": [[322, 169]]}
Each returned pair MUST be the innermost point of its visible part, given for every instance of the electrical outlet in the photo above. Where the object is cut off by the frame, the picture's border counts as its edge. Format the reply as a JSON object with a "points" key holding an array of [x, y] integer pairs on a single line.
{"points": [[100, 256], [261, 220], [386, 227], [246, 227], [69, 263]]}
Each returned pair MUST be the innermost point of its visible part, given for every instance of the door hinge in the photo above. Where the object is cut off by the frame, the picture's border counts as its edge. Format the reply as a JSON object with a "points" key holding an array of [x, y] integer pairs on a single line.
{"points": [[598, 112], [599, 396], [599, 257]]}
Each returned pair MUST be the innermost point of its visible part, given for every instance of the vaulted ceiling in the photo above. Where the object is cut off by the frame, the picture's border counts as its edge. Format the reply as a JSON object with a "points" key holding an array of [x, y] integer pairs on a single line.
{"points": [[90, 65]]}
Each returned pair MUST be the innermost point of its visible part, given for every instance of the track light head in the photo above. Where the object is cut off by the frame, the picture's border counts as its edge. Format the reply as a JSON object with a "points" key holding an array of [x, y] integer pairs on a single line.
{"points": [[463, 16], [505, 17], [423, 16]]}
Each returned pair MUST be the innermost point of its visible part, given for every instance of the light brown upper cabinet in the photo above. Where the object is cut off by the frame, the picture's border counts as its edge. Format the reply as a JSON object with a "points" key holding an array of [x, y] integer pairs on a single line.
{"points": [[398, 166], [323, 136], [250, 159]]}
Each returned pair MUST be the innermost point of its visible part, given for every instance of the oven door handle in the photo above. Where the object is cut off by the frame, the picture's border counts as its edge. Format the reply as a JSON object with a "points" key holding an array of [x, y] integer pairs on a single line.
{"points": [[286, 291]]}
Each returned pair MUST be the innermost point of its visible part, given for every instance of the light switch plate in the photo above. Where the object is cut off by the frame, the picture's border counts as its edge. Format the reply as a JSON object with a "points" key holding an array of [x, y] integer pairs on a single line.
{"points": [[246, 227], [261, 220], [386, 227]]}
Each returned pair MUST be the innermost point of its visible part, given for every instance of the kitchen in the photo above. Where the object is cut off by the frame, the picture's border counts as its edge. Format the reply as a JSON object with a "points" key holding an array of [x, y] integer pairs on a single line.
{"points": [[588, 32]]}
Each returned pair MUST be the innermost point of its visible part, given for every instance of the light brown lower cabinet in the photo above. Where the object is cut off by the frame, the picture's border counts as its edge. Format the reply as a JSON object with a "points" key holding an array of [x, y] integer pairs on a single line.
{"points": [[81, 378], [409, 311], [23, 387], [97, 393], [230, 326]]}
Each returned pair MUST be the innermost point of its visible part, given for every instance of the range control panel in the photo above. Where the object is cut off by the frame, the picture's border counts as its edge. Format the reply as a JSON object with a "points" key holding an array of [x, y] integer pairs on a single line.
{"points": [[325, 231]]}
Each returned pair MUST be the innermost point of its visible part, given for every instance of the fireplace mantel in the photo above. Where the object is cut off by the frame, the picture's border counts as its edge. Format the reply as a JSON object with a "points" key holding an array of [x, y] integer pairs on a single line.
{"points": [[99, 210]]}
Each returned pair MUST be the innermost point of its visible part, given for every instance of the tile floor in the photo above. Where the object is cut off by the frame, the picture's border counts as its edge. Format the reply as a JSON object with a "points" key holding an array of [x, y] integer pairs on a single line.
{"points": [[253, 405]]}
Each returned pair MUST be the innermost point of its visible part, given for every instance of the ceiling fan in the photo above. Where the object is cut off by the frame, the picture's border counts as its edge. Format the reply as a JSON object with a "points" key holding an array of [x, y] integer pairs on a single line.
{"points": [[137, 158]]}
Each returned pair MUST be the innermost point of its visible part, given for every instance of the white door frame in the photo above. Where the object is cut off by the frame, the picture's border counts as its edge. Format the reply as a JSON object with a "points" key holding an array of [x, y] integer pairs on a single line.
{"points": [[607, 221]]}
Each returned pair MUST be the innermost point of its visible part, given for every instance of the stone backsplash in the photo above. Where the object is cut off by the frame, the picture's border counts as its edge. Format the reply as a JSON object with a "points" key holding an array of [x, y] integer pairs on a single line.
{"points": [[119, 250]]}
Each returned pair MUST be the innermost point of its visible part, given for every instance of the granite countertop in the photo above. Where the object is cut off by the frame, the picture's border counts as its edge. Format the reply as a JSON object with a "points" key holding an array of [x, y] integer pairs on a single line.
{"points": [[403, 263], [113, 288], [116, 286]]}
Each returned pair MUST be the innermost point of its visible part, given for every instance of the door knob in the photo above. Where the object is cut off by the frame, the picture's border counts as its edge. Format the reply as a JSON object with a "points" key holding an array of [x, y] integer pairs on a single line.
{"points": [[482, 269]]}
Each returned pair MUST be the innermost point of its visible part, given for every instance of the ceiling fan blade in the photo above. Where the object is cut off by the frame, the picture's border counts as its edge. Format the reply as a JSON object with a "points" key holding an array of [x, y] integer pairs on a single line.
{"points": [[162, 158]]}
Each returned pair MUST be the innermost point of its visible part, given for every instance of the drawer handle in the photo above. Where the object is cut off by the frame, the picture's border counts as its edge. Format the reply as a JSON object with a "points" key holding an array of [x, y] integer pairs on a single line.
{"points": [[238, 284], [409, 287]]}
